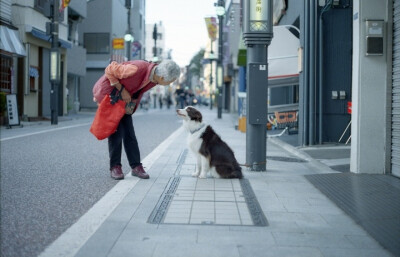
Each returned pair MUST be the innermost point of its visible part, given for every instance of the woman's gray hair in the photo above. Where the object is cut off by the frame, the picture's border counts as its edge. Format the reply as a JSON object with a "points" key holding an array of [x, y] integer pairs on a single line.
{"points": [[169, 70]]}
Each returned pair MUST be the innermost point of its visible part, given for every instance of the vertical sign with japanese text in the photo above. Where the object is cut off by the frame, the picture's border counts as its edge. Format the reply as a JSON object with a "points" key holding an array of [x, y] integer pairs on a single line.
{"points": [[259, 11], [12, 110]]}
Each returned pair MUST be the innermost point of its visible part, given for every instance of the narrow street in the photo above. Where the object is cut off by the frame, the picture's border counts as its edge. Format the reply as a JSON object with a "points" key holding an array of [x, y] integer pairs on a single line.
{"points": [[51, 175]]}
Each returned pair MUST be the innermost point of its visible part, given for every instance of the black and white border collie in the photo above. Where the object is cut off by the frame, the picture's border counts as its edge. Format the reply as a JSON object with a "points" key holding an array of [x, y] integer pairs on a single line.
{"points": [[213, 155]]}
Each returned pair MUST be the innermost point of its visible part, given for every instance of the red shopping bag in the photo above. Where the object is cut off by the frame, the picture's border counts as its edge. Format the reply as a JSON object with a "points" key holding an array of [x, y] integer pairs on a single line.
{"points": [[107, 117]]}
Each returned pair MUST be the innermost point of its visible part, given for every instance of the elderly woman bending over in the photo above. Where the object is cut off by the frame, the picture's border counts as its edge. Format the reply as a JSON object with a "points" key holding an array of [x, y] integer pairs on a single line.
{"points": [[132, 79]]}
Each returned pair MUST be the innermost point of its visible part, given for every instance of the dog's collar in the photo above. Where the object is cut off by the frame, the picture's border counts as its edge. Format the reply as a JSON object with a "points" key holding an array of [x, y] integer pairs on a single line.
{"points": [[194, 131]]}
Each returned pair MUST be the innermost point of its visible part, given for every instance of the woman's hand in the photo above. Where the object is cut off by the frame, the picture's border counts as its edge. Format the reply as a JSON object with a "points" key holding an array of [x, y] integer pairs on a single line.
{"points": [[126, 96]]}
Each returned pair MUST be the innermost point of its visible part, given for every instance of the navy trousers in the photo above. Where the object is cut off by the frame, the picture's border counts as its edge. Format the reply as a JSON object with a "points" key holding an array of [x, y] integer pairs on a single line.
{"points": [[125, 133]]}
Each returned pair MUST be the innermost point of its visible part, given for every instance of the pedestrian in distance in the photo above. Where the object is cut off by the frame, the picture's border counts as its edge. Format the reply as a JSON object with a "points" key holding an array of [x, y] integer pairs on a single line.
{"points": [[132, 79]]}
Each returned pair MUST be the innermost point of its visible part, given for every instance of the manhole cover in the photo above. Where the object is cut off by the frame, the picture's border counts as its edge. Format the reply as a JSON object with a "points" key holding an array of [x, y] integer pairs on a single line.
{"points": [[285, 159]]}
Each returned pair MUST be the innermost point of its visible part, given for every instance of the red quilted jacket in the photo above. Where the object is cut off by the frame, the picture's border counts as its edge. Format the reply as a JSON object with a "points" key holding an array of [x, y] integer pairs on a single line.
{"points": [[133, 83]]}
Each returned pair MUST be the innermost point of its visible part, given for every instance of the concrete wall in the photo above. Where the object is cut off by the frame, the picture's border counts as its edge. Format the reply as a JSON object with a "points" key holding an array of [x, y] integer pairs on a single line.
{"points": [[150, 41], [371, 87], [31, 100], [99, 20]]}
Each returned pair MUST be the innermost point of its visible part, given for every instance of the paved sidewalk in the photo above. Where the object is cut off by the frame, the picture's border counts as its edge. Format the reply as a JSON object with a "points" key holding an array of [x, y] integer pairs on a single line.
{"points": [[273, 213]]}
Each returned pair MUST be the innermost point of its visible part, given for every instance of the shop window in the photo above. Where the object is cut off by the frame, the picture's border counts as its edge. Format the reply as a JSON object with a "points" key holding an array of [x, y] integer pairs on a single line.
{"points": [[33, 74], [5, 73], [40, 5], [97, 43]]}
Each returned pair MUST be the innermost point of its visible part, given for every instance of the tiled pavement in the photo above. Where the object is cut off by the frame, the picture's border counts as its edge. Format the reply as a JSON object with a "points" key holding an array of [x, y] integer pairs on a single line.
{"points": [[210, 217], [210, 201]]}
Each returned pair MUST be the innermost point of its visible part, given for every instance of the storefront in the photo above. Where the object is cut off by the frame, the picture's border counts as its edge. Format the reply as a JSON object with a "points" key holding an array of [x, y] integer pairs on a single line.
{"points": [[11, 49], [283, 70], [12, 53]]}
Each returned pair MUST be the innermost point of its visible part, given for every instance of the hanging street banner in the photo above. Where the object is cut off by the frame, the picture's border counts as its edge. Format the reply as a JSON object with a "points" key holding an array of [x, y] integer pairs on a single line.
{"points": [[64, 4], [211, 23]]}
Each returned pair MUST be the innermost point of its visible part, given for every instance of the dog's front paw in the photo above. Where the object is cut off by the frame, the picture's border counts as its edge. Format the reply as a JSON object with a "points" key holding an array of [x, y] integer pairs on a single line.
{"points": [[195, 174], [203, 176]]}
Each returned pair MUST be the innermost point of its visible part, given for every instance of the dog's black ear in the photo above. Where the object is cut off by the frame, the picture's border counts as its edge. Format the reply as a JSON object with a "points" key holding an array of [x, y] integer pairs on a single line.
{"points": [[194, 114]]}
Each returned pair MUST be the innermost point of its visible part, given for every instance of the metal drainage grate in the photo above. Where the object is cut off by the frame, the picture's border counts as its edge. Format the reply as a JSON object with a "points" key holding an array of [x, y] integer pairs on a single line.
{"points": [[285, 159], [257, 215], [245, 197], [161, 208], [182, 157], [181, 160]]}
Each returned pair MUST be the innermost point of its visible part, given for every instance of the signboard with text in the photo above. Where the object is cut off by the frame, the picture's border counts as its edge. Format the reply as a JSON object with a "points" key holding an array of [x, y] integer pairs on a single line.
{"points": [[12, 110], [118, 43]]}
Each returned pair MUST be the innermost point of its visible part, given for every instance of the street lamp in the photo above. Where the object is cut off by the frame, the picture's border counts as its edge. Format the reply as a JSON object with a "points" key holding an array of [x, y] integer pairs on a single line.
{"points": [[128, 36], [220, 10], [55, 67], [257, 35]]}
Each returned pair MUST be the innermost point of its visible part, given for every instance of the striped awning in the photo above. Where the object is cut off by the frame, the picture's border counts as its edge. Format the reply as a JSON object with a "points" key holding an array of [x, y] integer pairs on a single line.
{"points": [[10, 42]]}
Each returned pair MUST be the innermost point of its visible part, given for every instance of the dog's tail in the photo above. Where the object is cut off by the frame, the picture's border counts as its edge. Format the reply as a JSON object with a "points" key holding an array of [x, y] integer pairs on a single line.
{"points": [[236, 173]]}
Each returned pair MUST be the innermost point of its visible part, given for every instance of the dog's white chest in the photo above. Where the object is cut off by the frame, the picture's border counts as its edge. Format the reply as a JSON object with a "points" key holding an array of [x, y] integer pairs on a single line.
{"points": [[194, 142]]}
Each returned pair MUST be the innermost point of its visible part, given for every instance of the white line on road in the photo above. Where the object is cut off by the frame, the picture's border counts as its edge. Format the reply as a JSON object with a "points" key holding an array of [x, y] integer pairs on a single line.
{"points": [[69, 243], [54, 129], [44, 131]]}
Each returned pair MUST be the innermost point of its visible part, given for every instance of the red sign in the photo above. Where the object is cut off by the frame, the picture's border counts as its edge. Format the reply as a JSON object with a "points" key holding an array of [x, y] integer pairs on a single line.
{"points": [[349, 107]]}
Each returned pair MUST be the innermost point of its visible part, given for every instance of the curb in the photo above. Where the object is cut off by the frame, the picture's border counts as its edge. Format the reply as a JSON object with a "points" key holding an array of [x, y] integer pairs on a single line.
{"points": [[74, 238], [317, 166]]}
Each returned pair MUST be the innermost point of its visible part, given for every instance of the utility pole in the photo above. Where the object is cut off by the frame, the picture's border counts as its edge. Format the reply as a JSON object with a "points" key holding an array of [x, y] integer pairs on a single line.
{"points": [[220, 69], [129, 36], [53, 9], [211, 74], [155, 40], [257, 35]]}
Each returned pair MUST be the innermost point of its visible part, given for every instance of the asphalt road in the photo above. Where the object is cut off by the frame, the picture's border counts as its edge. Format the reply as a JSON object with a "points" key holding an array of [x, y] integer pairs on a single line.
{"points": [[51, 175]]}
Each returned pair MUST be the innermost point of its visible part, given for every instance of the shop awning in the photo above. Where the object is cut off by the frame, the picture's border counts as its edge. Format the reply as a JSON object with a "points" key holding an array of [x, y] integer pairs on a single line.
{"points": [[10, 42], [42, 35], [282, 54], [33, 72]]}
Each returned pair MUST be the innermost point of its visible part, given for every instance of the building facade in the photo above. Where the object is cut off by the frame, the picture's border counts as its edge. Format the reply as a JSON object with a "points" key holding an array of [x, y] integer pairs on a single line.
{"points": [[30, 78], [138, 24], [76, 55], [375, 129], [12, 56], [348, 66], [106, 22], [160, 51]]}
